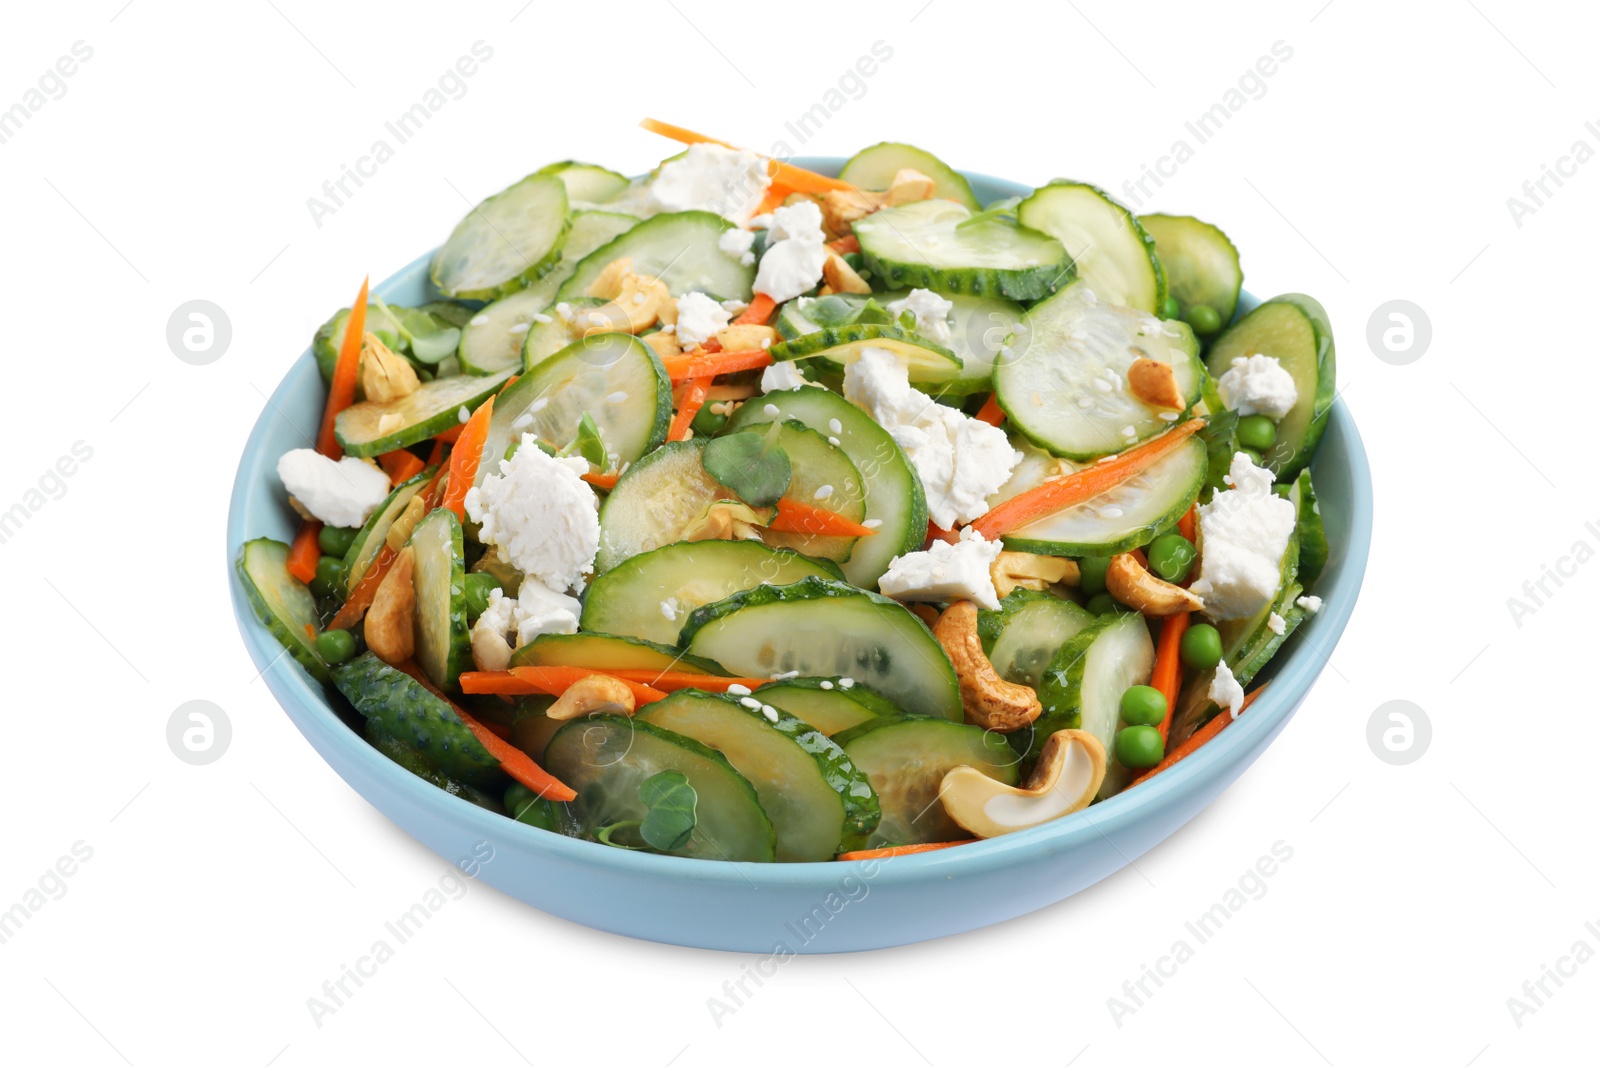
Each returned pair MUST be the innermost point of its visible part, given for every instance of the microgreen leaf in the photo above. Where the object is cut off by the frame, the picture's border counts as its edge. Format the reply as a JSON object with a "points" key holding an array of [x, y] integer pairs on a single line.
{"points": [[753, 466], [671, 818], [603, 835], [588, 444], [431, 340]]}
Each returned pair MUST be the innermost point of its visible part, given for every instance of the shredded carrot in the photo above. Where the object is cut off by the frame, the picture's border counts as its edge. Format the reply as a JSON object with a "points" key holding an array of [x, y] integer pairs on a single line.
{"points": [[305, 551], [499, 729], [1198, 738], [360, 598], [693, 399], [452, 435], [1186, 525], [845, 245], [796, 516], [401, 465], [760, 310], [671, 681], [342, 388], [464, 458], [710, 364], [939, 533], [515, 762], [311, 631], [991, 412], [1086, 484], [775, 196], [601, 481], [796, 178], [898, 850], [436, 456], [1168, 670], [552, 681]]}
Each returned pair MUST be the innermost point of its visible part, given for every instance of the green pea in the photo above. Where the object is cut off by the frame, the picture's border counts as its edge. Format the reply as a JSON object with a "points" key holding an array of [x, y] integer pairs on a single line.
{"points": [[1171, 557], [1257, 432], [330, 576], [478, 585], [336, 540], [1170, 308], [1201, 647], [1204, 319], [1255, 457], [335, 646], [1102, 604], [1139, 747], [1143, 705], [707, 423], [1092, 574]]}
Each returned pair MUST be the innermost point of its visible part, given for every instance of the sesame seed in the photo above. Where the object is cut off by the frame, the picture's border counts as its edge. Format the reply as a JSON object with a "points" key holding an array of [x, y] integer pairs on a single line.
{"points": [[1103, 385], [1130, 432], [872, 524], [1168, 416], [522, 422], [479, 320], [539, 405], [750, 702], [616, 398], [827, 684], [834, 441], [463, 414], [739, 690], [847, 683], [542, 319], [836, 426], [521, 327], [823, 492], [770, 409], [769, 712], [1111, 513], [1085, 402]]}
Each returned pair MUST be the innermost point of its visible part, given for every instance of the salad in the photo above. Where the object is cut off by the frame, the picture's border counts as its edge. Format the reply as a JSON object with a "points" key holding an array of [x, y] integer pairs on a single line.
{"points": [[741, 512]]}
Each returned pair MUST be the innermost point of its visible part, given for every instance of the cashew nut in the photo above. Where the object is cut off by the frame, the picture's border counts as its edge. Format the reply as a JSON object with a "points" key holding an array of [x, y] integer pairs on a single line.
{"points": [[384, 375], [1153, 382], [841, 207], [664, 344], [400, 530], [389, 625], [1025, 570], [608, 283], [1133, 585], [988, 700], [594, 694], [842, 277], [1066, 778], [745, 337]]}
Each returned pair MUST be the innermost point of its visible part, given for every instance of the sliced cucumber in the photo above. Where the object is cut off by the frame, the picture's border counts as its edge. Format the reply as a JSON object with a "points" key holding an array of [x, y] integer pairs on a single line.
{"points": [[655, 502], [1201, 264], [329, 337], [825, 704], [1293, 329], [927, 361], [1124, 518], [607, 652], [1067, 388], [492, 339], [532, 728], [1310, 533], [818, 802], [545, 339], [369, 540], [421, 766], [926, 245], [505, 242], [589, 230], [606, 758], [586, 182], [680, 248], [980, 325], [823, 628], [397, 706], [906, 758], [371, 428], [439, 579], [895, 501], [1083, 686], [1026, 633], [1113, 254], [613, 377], [650, 595], [819, 467], [874, 168], [282, 602]]}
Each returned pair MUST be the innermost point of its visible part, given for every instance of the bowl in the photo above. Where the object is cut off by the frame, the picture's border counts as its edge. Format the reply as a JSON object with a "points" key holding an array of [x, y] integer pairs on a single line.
{"points": [[787, 908]]}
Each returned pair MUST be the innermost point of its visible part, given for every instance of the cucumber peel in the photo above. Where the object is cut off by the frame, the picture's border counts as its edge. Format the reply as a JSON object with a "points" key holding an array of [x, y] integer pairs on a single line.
{"points": [[281, 601]]}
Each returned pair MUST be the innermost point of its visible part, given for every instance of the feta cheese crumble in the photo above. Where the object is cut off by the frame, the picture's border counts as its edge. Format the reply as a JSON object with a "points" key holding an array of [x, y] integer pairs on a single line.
{"points": [[945, 571], [931, 311], [508, 623], [1277, 623], [781, 377], [339, 492], [1311, 604], [1243, 533], [1225, 691], [795, 252], [726, 181], [961, 461], [699, 318], [736, 244], [1258, 385], [541, 515]]}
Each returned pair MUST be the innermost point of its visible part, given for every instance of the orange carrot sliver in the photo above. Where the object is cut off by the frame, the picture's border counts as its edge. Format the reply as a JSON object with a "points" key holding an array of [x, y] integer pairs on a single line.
{"points": [[939, 533], [601, 481], [1168, 668], [1186, 525], [846, 244], [450, 436], [1198, 738], [991, 412], [1075, 488], [551, 681], [760, 310], [360, 598], [342, 389], [671, 681], [693, 399], [305, 551], [710, 364], [796, 516], [898, 850], [401, 465], [775, 196], [464, 459]]}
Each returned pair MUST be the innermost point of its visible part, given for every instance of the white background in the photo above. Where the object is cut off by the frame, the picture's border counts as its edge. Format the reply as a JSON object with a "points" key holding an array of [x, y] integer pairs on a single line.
{"points": [[1376, 166]]}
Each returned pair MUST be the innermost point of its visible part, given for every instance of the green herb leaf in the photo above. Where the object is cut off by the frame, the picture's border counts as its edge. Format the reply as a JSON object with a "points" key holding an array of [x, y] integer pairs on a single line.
{"points": [[603, 835], [588, 444], [431, 340], [671, 819], [754, 467]]}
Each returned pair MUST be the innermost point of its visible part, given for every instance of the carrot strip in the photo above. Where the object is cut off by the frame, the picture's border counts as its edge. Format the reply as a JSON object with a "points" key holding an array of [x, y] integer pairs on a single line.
{"points": [[939, 533], [671, 681], [1198, 738], [775, 196], [360, 598], [1168, 668], [693, 399], [450, 436], [845, 245], [342, 389], [710, 364], [1075, 488], [796, 516], [797, 178], [515, 762], [305, 551], [437, 454], [499, 729], [401, 465], [601, 481], [552, 681], [464, 459], [760, 310], [991, 412], [898, 850], [1186, 525]]}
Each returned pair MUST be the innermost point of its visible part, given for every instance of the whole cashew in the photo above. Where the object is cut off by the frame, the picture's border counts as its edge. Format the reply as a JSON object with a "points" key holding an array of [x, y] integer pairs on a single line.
{"points": [[1131, 583], [389, 627], [988, 700], [596, 693]]}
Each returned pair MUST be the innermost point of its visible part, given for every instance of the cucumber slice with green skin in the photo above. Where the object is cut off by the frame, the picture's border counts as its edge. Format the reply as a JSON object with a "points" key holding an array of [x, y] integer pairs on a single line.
{"points": [[532, 730], [905, 758], [1310, 533], [1124, 518], [492, 339], [1293, 329], [545, 339], [589, 230], [450, 314], [1026, 633], [329, 337], [282, 602], [371, 429], [1083, 686], [823, 628], [613, 377], [627, 599], [818, 802], [874, 168], [586, 181], [439, 579], [680, 248], [504, 243], [1067, 387], [655, 502], [396, 705], [1201, 264], [423, 768], [923, 245], [607, 652], [369, 539], [895, 500], [605, 758], [833, 709], [1114, 255], [817, 466], [927, 361]]}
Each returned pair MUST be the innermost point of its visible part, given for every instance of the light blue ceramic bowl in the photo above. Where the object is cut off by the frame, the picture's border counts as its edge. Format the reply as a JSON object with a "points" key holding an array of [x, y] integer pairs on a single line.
{"points": [[798, 907]]}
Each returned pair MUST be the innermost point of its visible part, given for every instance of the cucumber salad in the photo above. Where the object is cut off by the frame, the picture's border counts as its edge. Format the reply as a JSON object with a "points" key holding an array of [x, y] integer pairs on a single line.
{"points": [[741, 512]]}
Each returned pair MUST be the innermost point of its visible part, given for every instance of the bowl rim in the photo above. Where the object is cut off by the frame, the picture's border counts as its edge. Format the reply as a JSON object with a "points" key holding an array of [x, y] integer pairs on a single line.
{"points": [[312, 713]]}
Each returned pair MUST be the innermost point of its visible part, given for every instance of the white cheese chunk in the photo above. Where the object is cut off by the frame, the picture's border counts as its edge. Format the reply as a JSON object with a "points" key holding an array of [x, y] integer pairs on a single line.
{"points": [[1243, 534], [699, 318], [795, 253], [735, 244], [540, 514], [508, 623], [931, 311], [1225, 691], [945, 571], [1258, 385], [726, 181], [781, 377], [339, 492]]}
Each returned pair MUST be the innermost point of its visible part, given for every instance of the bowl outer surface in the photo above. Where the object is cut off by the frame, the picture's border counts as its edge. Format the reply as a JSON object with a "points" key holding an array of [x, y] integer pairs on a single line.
{"points": [[797, 907]]}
